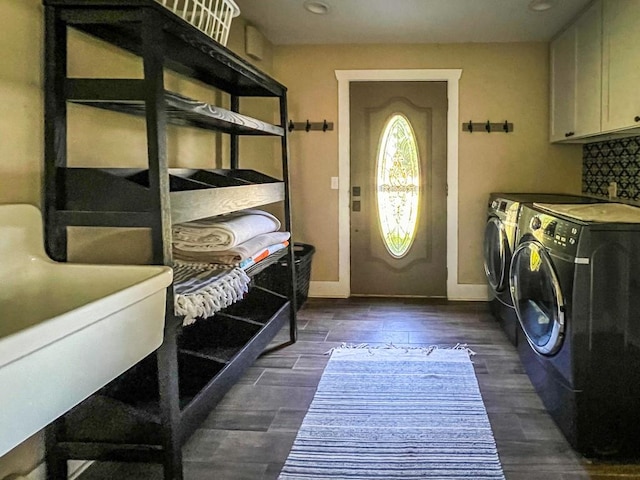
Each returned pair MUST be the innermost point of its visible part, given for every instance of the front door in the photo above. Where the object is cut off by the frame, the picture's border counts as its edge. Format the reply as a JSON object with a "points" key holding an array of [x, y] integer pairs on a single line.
{"points": [[398, 188]]}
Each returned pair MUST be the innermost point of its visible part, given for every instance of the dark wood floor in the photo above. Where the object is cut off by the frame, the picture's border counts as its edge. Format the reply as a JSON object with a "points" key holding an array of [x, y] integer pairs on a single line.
{"points": [[249, 434]]}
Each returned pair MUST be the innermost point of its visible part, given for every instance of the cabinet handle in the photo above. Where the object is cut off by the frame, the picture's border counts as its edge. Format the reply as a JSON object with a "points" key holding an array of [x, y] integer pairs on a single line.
{"points": [[637, 118], [569, 134]]}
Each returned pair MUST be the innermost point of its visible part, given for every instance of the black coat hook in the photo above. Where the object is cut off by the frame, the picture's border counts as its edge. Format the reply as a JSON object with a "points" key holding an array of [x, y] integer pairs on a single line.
{"points": [[470, 126], [291, 126], [307, 126], [487, 126], [325, 125], [505, 127]]}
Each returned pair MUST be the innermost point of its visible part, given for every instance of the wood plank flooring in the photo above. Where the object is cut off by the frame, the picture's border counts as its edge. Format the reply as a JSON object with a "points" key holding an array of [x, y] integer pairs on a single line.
{"points": [[249, 434]]}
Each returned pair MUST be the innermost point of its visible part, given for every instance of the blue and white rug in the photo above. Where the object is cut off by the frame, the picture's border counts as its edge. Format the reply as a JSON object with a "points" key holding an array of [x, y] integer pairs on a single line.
{"points": [[389, 413]]}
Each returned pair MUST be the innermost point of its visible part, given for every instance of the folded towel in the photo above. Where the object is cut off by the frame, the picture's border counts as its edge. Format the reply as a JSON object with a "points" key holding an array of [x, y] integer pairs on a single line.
{"points": [[223, 232], [235, 255], [262, 254]]}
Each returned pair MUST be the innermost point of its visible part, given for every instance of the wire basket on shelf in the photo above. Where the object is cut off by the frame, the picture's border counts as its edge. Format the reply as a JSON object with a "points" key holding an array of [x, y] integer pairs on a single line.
{"points": [[212, 17]]}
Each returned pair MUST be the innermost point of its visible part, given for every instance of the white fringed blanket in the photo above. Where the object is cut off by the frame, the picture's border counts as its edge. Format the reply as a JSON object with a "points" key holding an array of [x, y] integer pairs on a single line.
{"points": [[222, 233], [203, 291]]}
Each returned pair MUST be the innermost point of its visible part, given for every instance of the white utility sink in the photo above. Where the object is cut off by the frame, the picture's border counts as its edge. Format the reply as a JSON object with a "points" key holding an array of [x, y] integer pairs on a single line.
{"points": [[65, 329]]}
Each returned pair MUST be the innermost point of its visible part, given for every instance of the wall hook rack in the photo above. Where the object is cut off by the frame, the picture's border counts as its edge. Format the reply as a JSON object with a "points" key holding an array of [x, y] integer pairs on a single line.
{"points": [[487, 126], [308, 126]]}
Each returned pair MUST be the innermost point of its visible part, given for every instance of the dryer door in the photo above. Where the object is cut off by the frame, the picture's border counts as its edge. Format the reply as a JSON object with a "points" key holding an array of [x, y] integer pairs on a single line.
{"points": [[537, 297], [497, 254]]}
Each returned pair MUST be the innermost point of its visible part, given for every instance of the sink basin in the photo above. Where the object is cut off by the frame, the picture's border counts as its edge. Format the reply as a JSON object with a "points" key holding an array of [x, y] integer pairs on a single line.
{"points": [[66, 329]]}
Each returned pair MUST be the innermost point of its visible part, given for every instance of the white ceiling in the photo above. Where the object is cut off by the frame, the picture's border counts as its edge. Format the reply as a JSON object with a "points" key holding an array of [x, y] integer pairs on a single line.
{"points": [[408, 21]]}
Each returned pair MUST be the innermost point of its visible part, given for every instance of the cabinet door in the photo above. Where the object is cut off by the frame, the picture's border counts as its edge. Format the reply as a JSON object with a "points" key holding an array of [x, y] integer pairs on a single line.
{"points": [[621, 72], [588, 93], [563, 85]]}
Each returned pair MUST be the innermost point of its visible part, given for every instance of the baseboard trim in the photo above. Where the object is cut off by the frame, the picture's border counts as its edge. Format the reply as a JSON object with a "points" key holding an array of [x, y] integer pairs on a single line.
{"points": [[468, 292], [458, 292], [328, 290]]}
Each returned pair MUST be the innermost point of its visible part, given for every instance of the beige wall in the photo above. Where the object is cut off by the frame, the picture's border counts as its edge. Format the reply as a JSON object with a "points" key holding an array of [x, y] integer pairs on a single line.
{"points": [[20, 142], [97, 138], [20, 101], [499, 82]]}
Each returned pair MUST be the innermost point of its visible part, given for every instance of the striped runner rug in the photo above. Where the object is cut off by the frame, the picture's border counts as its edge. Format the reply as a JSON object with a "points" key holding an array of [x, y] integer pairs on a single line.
{"points": [[388, 413]]}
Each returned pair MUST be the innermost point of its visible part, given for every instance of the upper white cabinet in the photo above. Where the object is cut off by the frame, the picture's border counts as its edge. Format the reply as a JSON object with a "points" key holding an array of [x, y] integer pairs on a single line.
{"points": [[621, 69], [588, 71], [595, 74], [576, 72], [563, 85]]}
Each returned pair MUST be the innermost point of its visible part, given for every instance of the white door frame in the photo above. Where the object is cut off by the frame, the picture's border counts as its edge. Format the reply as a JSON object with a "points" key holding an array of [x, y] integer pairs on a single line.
{"points": [[342, 288]]}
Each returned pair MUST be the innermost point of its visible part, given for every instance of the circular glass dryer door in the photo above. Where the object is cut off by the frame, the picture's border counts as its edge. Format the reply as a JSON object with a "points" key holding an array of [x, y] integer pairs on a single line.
{"points": [[537, 297], [497, 255]]}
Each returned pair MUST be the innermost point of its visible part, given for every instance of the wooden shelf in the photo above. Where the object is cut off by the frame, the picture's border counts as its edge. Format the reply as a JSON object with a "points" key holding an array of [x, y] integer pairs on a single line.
{"points": [[187, 206], [127, 423], [218, 339], [186, 49], [232, 327], [148, 413], [193, 193], [258, 308], [180, 110], [200, 406], [213, 355]]}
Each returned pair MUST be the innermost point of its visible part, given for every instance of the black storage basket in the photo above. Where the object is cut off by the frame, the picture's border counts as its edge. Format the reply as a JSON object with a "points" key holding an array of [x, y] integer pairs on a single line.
{"points": [[276, 277]]}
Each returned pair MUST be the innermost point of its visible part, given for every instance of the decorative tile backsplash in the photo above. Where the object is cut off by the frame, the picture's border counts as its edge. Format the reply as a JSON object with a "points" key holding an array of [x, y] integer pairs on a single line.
{"points": [[612, 161]]}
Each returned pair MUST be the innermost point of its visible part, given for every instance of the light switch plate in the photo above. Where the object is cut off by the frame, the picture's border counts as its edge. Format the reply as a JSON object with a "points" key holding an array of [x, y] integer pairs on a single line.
{"points": [[334, 183]]}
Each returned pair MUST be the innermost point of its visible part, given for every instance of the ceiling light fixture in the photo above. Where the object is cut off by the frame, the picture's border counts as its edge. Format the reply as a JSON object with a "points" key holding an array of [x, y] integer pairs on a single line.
{"points": [[319, 8], [540, 5]]}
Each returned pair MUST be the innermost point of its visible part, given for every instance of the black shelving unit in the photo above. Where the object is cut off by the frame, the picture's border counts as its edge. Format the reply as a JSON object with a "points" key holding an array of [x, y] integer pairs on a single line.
{"points": [[147, 414]]}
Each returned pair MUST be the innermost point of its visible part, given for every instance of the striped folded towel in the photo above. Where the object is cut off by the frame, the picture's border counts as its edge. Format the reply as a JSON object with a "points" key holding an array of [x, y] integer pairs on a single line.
{"points": [[201, 291]]}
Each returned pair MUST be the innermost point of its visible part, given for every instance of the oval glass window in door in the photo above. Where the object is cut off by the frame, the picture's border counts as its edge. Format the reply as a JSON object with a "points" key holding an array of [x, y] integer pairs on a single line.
{"points": [[398, 185], [537, 297]]}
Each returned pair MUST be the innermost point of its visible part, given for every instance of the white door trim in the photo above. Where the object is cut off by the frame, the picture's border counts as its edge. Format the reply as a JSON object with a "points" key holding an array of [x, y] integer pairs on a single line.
{"points": [[341, 288]]}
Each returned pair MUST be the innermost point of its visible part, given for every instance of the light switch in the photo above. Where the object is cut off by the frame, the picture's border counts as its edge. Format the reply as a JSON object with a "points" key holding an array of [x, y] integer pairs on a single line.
{"points": [[334, 183]]}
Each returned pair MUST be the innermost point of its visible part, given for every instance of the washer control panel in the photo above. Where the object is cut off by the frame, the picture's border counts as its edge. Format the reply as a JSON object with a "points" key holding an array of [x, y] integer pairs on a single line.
{"points": [[505, 209], [555, 233]]}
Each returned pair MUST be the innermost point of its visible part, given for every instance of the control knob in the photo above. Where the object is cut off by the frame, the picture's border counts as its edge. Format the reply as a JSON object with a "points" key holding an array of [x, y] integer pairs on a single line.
{"points": [[536, 223]]}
